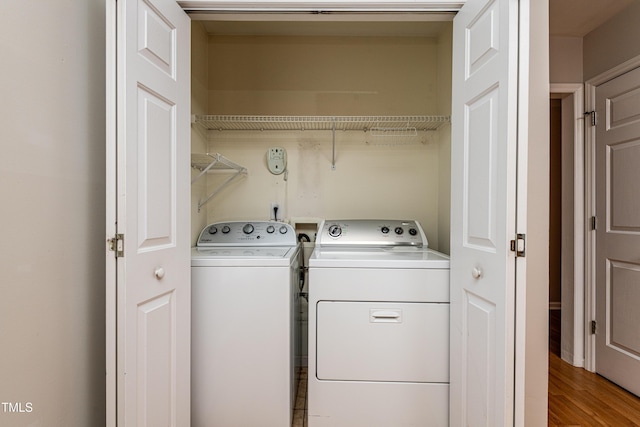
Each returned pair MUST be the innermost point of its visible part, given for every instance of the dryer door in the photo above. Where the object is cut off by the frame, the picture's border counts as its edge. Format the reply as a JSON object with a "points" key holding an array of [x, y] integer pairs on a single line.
{"points": [[371, 341]]}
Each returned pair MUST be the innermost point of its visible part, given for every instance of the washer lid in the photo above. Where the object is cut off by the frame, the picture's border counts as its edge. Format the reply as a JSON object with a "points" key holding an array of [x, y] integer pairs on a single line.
{"points": [[238, 256]]}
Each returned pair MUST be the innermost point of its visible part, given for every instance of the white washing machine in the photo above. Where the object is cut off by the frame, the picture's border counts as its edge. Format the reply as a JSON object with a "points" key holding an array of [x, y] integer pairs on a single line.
{"points": [[244, 330], [378, 326]]}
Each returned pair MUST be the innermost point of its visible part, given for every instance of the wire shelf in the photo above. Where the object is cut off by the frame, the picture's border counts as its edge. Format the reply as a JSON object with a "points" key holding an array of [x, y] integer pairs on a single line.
{"points": [[214, 162], [399, 124], [361, 123]]}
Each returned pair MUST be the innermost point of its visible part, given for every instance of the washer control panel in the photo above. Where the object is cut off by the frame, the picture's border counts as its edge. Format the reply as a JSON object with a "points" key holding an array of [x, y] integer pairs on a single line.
{"points": [[240, 233], [371, 232]]}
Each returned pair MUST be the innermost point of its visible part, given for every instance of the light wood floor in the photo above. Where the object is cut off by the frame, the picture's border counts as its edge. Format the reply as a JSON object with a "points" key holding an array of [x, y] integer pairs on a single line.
{"points": [[581, 398]]}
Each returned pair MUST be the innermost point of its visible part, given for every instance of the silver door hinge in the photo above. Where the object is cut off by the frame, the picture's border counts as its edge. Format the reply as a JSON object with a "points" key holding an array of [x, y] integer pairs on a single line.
{"points": [[594, 223], [593, 116], [593, 327], [116, 244], [518, 245]]}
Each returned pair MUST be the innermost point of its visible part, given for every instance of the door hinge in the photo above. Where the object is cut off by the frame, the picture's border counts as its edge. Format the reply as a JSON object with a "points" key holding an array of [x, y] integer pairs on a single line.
{"points": [[116, 244], [594, 223], [593, 327], [593, 117], [518, 245]]}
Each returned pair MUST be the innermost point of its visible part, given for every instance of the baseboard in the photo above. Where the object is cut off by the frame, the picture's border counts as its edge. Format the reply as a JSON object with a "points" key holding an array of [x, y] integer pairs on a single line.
{"points": [[555, 305]]}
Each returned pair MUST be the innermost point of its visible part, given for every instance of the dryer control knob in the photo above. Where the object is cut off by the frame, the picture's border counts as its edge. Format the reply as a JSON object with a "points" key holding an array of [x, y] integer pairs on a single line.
{"points": [[385, 230], [226, 229], [399, 230], [248, 229], [271, 229], [413, 231], [335, 230], [283, 230], [213, 229]]}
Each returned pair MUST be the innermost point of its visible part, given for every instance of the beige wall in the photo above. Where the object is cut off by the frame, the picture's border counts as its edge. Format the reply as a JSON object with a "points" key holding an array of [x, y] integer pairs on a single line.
{"points": [[323, 75], [199, 105], [52, 175], [565, 59], [613, 43], [333, 76], [445, 48]]}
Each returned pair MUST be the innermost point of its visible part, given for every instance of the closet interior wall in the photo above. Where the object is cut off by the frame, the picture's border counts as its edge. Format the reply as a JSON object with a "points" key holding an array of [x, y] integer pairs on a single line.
{"points": [[327, 75]]}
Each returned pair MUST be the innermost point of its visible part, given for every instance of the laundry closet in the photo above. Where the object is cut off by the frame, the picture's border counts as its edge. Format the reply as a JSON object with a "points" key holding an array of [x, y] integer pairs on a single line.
{"points": [[361, 108], [361, 103]]}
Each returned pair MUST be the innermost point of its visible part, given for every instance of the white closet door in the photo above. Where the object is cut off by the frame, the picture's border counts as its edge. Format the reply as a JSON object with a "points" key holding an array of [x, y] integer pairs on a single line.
{"points": [[483, 194], [153, 297]]}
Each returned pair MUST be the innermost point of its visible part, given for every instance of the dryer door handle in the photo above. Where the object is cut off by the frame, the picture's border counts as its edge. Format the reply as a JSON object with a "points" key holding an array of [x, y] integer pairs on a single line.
{"points": [[385, 316]]}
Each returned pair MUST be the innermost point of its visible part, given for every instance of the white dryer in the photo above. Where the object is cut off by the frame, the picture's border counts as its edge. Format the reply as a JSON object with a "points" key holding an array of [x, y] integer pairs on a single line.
{"points": [[244, 329], [378, 326]]}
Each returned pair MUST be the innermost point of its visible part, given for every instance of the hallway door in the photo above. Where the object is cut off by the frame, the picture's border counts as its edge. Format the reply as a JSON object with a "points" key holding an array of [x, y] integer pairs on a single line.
{"points": [[617, 155]]}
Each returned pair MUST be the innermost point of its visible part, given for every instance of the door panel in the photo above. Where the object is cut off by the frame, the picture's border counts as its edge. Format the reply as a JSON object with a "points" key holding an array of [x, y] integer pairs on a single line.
{"points": [[156, 358], [153, 276], [156, 155], [480, 151], [483, 194], [618, 235]]}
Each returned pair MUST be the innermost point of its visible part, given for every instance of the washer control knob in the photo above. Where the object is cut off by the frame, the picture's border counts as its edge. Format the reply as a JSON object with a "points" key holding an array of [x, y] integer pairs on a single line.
{"points": [[226, 229], [271, 229], [385, 230], [248, 229], [335, 230], [213, 229], [283, 230], [413, 231], [399, 231]]}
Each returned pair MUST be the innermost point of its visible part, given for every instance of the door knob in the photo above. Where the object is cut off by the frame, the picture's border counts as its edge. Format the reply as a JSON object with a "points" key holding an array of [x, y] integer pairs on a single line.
{"points": [[159, 273], [476, 273]]}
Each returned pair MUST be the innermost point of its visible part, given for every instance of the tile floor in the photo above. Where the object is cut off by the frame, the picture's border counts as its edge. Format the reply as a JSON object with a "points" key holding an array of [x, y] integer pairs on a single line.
{"points": [[300, 410]]}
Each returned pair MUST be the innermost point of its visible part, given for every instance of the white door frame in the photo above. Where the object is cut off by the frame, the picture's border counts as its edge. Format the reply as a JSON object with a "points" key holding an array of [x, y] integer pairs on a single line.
{"points": [[579, 324], [590, 206], [111, 215]]}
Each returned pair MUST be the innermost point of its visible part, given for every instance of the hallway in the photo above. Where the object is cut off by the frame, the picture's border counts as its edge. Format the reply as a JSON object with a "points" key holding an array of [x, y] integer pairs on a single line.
{"points": [[581, 398]]}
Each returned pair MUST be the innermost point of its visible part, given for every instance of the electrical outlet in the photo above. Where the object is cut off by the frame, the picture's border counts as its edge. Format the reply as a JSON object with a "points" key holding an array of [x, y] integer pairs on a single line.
{"points": [[275, 213]]}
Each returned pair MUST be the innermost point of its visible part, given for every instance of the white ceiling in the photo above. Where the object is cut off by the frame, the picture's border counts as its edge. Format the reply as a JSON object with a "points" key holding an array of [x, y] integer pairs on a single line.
{"points": [[568, 18]]}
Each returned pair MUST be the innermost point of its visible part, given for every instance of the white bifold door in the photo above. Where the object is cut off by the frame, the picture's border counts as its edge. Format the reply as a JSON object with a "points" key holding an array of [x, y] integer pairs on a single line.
{"points": [[152, 149], [150, 363], [483, 213]]}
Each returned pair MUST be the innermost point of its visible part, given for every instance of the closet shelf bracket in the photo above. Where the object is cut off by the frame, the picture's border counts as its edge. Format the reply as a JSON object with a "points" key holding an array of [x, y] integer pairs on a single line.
{"points": [[212, 162]]}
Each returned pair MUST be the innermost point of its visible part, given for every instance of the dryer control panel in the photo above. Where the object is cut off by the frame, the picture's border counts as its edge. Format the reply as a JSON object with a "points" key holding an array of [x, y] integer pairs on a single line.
{"points": [[248, 233], [371, 233]]}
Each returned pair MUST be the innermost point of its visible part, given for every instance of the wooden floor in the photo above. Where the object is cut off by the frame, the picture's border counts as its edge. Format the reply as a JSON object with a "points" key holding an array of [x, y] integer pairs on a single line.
{"points": [[581, 398]]}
